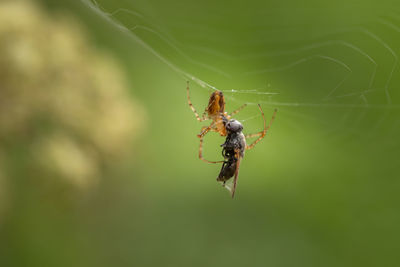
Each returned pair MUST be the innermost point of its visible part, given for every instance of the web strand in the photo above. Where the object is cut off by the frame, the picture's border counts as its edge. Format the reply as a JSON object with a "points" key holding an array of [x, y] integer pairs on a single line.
{"points": [[359, 81]]}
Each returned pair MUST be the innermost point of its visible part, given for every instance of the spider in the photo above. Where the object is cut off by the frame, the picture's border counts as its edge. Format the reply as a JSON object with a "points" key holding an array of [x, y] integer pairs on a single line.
{"points": [[215, 111]]}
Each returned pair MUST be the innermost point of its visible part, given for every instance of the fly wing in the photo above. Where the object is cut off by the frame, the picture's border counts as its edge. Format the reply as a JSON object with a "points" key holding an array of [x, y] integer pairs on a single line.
{"points": [[237, 152], [231, 170]]}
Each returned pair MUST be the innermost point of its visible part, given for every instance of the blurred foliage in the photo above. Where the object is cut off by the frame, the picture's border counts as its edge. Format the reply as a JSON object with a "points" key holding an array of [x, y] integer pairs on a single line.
{"points": [[3, 192], [67, 123]]}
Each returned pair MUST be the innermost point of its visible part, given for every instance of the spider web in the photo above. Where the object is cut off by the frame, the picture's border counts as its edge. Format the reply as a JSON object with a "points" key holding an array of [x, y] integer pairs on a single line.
{"points": [[319, 66]]}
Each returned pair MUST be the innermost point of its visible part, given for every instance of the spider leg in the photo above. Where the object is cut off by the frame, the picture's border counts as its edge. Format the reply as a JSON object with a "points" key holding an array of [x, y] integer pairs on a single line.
{"points": [[263, 132], [203, 117], [205, 130], [237, 110], [252, 135], [201, 150]]}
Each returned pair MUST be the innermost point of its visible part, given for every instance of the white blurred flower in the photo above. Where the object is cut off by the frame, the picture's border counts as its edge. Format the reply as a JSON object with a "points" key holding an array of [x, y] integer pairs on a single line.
{"points": [[66, 100]]}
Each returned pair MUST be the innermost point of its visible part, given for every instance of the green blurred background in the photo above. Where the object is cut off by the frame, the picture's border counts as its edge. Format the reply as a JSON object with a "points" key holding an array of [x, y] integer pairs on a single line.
{"points": [[98, 147]]}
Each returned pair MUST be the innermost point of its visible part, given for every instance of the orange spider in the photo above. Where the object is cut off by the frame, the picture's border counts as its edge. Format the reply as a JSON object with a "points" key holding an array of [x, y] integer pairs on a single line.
{"points": [[215, 111]]}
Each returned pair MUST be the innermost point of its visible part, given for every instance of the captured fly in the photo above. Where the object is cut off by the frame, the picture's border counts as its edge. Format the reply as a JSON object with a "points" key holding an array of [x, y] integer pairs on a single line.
{"points": [[232, 151]]}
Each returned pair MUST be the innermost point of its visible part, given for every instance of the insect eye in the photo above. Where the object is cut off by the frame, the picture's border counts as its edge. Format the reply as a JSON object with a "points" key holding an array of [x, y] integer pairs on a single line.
{"points": [[234, 126]]}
